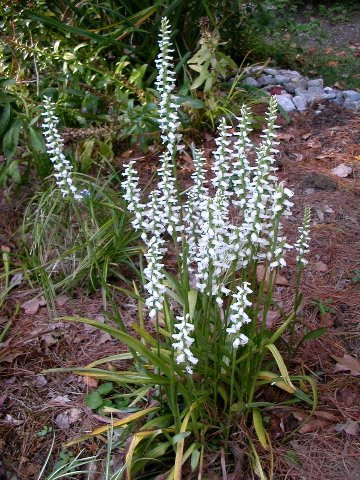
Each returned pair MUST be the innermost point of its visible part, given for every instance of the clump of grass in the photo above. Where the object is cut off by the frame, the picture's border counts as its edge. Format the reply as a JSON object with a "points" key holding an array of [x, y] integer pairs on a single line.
{"points": [[68, 243]]}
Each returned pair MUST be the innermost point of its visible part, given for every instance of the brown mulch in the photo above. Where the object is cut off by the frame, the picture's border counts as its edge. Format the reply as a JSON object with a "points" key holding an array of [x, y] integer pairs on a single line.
{"points": [[313, 144]]}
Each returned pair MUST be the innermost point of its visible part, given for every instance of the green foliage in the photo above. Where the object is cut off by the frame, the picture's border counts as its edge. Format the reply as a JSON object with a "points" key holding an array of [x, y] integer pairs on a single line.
{"points": [[324, 306], [356, 277], [67, 243]]}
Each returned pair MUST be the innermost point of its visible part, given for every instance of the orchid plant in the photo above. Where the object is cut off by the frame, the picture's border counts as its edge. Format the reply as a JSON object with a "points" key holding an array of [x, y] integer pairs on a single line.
{"points": [[203, 370]]}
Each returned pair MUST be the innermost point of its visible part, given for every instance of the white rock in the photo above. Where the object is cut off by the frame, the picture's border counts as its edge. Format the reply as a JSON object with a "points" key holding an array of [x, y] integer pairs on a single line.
{"points": [[251, 82], [281, 79], [319, 82], [315, 93], [300, 91], [266, 80], [300, 102], [285, 102], [329, 93], [271, 71], [351, 95], [352, 105], [341, 170]]}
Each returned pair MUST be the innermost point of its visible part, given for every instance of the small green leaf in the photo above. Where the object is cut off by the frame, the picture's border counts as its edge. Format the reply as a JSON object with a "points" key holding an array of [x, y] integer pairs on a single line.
{"points": [[94, 400], [195, 457], [105, 388], [37, 142], [318, 332], [259, 428], [11, 139], [180, 436], [292, 458], [5, 117]]}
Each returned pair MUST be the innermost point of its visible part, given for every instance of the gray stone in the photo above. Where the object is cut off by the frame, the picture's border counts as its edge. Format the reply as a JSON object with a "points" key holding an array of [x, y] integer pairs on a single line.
{"points": [[281, 79], [315, 93], [352, 105], [266, 80], [296, 83], [251, 82], [351, 95], [338, 100], [290, 87], [300, 102], [328, 94], [319, 82], [300, 91], [285, 102], [271, 71]]}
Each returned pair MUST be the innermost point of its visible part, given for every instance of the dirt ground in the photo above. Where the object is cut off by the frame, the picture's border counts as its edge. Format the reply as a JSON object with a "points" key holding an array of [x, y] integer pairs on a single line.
{"points": [[326, 447]]}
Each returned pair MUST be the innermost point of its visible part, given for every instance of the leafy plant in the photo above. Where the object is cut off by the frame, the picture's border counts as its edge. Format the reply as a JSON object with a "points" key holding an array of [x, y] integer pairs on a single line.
{"points": [[356, 277], [324, 306], [198, 379]]}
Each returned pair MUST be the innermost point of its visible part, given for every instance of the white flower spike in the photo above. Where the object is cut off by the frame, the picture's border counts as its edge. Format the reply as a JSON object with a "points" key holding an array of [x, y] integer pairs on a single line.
{"points": [[302, 244], [183, 343], [54, 147]]}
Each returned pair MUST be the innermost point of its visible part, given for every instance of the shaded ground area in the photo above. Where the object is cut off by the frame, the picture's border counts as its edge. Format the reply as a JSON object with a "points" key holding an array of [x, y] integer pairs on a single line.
{"points": [[324, 448]]}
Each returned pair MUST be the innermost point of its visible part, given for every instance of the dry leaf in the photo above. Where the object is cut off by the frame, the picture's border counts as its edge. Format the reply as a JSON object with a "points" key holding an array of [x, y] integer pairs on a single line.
{"points": [[104, 337], [347, 363], [61, 300], [48, 339], [2, 400], [348, 397], [12, 420], [60, 400], [90, 382], [332, 63], [8, 355], [326, 320], [341, 170], [127, 153], [67, 418], [272, 317], [350, 427], [40, 380], [322, 420], [285, 136], [33, 305], [279, 280], [320, 267]]}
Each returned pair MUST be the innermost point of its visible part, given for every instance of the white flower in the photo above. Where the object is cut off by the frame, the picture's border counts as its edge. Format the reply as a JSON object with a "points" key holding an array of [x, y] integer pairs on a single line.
{"points": [[241, 170], [154, 275], [165, 82], [280, 206], [132, 194], [168, 197], [223, 157], [183, 343], [215, 253], [302, 244], [238, 316], [196, 206], [54, 147]]}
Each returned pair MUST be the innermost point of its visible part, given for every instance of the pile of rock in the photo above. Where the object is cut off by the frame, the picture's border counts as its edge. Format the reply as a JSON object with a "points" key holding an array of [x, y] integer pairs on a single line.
{"points": [[295, 92]]}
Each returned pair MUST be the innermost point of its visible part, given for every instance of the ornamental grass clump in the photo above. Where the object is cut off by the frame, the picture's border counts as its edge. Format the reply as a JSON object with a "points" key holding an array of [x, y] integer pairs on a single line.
{"points": [[203, 371]]}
